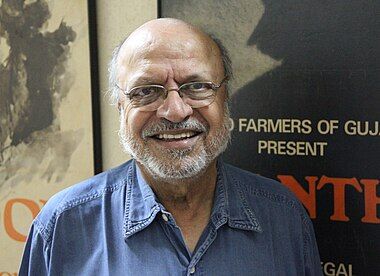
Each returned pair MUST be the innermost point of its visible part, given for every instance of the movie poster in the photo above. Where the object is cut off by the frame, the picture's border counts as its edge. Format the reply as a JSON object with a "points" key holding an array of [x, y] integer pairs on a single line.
{"points": [[45, 112], [305, 102]]}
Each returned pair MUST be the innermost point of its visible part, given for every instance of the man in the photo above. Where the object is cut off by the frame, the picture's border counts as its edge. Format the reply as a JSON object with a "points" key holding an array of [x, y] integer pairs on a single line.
{"points": [[175, 209]]}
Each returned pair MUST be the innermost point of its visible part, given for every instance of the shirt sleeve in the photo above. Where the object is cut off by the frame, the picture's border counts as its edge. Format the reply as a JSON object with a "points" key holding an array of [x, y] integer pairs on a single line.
{"points": [[35, 260], [312, 261]]}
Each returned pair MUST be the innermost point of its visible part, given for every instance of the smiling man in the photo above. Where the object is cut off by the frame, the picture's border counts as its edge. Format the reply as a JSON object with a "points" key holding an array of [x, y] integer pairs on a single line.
{"points": [[175, 208]]}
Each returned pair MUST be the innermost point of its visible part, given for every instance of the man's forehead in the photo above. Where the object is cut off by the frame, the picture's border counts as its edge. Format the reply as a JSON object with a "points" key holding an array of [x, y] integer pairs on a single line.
{"points": [[155, 52], [147, 46], [148, 75]]}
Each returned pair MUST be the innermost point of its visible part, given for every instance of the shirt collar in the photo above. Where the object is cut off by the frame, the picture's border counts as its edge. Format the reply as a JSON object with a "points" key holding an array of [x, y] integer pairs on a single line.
{"points": [[230, 204]]}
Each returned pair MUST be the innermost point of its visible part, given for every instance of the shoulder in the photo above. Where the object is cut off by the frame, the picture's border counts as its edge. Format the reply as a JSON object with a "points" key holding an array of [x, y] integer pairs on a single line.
{"points": [[90, 191], [276, 210]]}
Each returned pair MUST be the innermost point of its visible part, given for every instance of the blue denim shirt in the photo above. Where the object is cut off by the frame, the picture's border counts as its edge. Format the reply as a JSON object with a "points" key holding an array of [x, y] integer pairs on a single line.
{"points": [[112, 224]]}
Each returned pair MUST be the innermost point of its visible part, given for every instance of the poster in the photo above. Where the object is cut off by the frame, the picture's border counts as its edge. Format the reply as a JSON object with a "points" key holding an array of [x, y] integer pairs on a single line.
{"points": [[46, 139], [305, 105]]}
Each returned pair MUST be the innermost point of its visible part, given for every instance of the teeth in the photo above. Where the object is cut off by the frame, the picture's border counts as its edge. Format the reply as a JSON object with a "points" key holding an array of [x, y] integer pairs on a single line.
{"points": [[176, 136]]}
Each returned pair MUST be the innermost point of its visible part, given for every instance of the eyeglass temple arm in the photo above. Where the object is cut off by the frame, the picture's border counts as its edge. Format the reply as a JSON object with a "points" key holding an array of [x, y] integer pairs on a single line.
{"points": [[225, 79], [118, 87]]}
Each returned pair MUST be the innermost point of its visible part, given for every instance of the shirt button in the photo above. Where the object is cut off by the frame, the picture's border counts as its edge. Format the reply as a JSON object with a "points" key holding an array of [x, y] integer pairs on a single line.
{"points": [[192, 270], [165, 217]]}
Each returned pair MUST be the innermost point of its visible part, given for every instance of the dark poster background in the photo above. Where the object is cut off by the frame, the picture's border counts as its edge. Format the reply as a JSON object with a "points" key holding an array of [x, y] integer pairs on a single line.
{"points": [[315, 85]]}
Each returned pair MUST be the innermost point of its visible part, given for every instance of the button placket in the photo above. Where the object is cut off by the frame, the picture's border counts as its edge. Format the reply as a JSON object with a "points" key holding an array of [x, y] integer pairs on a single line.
{"points": [[202, 249]]}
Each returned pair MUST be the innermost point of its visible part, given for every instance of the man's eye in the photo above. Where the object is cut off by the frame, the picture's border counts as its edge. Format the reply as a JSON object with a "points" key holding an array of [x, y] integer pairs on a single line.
{"points": [[145, 91], [198, 86]]}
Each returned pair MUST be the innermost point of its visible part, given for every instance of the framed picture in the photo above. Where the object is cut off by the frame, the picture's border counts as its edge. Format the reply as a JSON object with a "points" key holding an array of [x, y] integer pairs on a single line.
{"points": [[305, 106], [49, 110]]}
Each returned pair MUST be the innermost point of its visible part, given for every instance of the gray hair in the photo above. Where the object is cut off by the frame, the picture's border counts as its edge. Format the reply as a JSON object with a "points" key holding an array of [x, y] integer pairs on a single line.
{"points": [[113, 89]]}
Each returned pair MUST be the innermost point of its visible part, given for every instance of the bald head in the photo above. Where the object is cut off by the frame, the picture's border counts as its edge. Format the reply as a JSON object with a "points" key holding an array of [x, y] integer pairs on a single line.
{"points": [[166, 31], [165, 38]]}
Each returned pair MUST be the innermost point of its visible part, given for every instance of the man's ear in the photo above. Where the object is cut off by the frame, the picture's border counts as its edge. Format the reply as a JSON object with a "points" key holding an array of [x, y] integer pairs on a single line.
{"points": [[120, 103]]}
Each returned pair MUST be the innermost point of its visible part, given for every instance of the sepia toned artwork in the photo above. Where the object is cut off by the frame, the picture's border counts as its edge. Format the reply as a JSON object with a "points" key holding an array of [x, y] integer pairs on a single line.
{"points": [[45, 111]]}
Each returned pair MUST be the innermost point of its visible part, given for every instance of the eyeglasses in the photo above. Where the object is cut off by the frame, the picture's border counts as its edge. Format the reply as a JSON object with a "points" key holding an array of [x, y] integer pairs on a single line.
{"points": [[151, 97]]}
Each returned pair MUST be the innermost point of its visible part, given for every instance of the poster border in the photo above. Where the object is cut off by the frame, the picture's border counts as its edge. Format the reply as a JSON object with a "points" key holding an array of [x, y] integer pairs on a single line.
{"points": [[159, 10], [95, 87]]}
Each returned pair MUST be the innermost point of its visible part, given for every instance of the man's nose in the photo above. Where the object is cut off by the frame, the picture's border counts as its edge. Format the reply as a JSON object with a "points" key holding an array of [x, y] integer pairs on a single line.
{"points": [[174, 108]]}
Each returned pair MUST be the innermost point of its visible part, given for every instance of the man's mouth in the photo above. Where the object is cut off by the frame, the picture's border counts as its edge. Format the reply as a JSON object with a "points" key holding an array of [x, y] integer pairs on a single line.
{"points": [[170, 135], [175, 136]]}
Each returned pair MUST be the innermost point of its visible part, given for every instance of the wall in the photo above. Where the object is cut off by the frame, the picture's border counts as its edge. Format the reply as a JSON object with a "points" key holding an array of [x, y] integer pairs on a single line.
{"points": [[113, 26]]}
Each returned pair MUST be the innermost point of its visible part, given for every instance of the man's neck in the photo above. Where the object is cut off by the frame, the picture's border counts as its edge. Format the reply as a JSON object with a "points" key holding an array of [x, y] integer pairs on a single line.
{"points": [[190, 201], [184, 194]]}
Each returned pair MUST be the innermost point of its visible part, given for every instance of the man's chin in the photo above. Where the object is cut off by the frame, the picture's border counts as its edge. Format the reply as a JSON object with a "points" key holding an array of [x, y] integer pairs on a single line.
{"points": [[172, 154], [175, 165]]}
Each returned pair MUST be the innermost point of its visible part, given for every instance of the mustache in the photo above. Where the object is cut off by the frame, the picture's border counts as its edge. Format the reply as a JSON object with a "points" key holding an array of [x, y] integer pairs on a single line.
{"points": [[191, 124]]}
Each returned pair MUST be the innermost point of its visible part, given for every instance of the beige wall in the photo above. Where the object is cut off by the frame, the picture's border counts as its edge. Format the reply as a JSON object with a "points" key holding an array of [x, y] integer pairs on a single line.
{"points": [[116, 19]]}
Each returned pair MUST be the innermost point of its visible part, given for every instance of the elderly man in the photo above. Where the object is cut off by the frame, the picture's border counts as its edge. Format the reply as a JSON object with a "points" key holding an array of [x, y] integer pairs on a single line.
{"points": [[175, 208]]}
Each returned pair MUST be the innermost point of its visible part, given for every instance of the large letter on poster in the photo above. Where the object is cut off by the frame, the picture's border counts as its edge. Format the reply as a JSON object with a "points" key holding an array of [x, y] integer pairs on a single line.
{"points": [[9, 217]]}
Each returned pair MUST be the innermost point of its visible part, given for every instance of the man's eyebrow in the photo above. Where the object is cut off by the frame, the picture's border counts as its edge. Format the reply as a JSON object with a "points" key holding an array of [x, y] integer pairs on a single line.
{"points": [[147, 80], [193, 77], [143, 80]]}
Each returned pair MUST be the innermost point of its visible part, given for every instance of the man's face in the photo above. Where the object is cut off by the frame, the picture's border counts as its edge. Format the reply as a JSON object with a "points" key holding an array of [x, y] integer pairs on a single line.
{"points": [[175, 141]]}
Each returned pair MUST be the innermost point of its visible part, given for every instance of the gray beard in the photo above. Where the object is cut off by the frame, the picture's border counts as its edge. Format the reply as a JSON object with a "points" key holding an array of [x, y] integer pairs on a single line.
{"points": [[175, 164]]}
